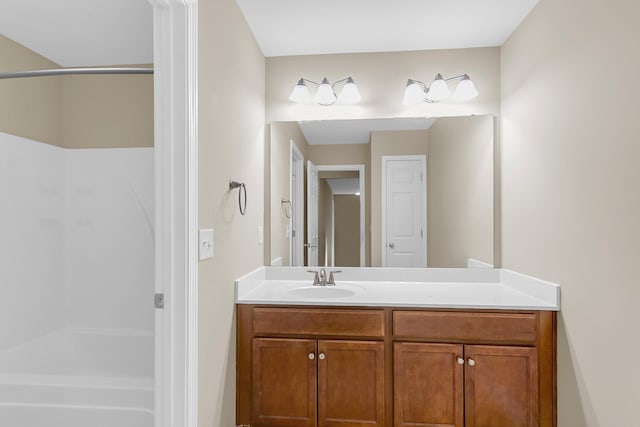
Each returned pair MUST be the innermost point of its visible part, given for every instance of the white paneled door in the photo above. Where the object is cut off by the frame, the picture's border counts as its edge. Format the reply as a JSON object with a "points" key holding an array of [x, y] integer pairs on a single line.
{"points": [[312, 214], [404, 216]]}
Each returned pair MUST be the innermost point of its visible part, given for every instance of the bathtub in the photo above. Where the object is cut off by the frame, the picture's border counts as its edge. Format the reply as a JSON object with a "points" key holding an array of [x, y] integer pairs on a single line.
{"points": [[78, 378]]}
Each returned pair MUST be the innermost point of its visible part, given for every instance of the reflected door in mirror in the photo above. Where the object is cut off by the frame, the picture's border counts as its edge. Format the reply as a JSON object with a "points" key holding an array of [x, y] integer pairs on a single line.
{"points": [[404, 222]]}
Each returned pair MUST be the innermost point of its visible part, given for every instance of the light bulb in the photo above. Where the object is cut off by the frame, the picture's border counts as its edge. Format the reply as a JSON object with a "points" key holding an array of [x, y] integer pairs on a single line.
{"points": [[350, 93], [438, 90], [466, 90], [413, 93], [300, 93], [325, 94]]}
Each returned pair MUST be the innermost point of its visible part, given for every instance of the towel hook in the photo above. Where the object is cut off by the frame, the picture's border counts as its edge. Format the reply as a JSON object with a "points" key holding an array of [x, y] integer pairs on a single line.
{"points": [[241, 192]]}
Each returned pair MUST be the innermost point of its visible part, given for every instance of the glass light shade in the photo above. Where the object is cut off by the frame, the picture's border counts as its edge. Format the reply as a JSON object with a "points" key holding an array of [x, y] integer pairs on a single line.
{"points": [[325, 94], [413, 93], [466, 90], [350, 93], [438, 90], [300, 93]]}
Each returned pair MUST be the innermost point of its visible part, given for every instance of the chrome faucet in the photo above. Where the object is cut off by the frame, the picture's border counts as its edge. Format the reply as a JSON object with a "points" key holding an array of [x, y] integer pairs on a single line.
{"points": [[320, 277]]}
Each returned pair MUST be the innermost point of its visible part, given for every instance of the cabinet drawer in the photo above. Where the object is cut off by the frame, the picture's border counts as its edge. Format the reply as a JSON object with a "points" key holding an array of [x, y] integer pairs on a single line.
{"points": [[464, 326], [318, 322]]}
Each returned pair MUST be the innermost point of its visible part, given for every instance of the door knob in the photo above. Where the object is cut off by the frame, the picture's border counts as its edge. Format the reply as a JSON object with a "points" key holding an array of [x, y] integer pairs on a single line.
{"points": [[460, 360], [321, 356], [392, 245], [471, 362], [312, 356], [310, 245]]}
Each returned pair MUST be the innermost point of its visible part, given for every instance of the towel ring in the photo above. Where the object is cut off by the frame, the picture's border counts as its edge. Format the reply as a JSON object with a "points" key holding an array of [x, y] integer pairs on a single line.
{"points": [[285, 203], [241, 192]]}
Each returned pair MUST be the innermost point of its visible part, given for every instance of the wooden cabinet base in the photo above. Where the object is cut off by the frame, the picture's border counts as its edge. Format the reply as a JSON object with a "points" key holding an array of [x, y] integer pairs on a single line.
{"points": [[388, 367]]}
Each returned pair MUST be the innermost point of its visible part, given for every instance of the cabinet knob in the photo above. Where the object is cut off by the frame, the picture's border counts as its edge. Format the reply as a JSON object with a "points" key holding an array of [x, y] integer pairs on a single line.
{"points": [[312, 356], [460, 360], [321, 356], [471, 362]]}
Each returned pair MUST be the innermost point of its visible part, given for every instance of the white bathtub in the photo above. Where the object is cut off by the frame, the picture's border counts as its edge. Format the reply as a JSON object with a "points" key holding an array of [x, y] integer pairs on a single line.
{"points": [[78, 378]]}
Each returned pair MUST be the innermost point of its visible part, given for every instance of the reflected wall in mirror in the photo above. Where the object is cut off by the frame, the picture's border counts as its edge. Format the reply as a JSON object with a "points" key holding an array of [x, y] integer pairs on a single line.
{"points": [[426, 192]]}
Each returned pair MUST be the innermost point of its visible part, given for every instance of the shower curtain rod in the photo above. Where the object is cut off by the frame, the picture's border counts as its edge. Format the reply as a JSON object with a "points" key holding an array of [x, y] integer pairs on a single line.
{"points": [[67, 71]]}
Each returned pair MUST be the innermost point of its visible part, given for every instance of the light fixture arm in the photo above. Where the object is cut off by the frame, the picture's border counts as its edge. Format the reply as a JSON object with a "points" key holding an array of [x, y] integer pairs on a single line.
{"points": [[346, 79], [302, 80], [461, 76]]}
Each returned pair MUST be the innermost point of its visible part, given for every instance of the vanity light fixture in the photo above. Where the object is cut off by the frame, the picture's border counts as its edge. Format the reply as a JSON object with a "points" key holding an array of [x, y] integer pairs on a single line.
{"points": [[416, 91], [325, 94]]}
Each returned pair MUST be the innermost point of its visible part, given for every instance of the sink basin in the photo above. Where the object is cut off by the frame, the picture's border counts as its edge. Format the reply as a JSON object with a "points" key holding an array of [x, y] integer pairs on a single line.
{"points": [[321, 292]]}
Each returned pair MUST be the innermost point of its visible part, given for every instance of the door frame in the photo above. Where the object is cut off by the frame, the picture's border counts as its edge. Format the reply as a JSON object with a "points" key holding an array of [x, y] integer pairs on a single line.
{"points": [[360, 168], [383, 205], [296, 246], [175, 35]]}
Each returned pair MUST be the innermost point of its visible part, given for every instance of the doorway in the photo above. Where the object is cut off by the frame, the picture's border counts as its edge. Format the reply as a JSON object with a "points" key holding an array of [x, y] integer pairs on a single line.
{"points": [[321, 245]]}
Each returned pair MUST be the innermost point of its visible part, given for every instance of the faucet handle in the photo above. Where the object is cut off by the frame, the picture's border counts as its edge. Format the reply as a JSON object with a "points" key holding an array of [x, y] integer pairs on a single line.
{"points": [[332, 281], [316, 277]]}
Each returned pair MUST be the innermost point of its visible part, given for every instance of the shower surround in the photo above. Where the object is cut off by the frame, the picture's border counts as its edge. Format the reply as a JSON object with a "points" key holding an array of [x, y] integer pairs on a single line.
{"points": [[76, 319]]}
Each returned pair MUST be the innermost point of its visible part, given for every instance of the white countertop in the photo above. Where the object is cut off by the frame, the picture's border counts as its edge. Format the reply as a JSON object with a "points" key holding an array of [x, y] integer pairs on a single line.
{"points": [[399, 287]]}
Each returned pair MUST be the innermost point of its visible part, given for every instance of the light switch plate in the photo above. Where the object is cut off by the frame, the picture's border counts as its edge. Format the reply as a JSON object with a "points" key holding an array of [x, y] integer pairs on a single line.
{"points": [[205, 243]]}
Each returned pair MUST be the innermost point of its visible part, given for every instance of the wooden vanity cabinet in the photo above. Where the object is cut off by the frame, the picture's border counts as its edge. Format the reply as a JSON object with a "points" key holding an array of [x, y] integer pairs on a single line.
{"points": [[284, 382], [472, 386], [351, 367], [474, 368], [311, 367]]}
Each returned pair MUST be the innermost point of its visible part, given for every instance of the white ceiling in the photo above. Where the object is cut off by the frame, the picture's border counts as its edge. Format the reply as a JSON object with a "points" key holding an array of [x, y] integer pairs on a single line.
{"points": [[110, 32], [357, 131], [82, 32], [294, 27], [344, 185]]}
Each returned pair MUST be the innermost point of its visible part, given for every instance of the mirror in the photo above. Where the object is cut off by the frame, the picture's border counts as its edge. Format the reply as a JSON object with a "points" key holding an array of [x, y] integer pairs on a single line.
{"points": [[396, 192]]}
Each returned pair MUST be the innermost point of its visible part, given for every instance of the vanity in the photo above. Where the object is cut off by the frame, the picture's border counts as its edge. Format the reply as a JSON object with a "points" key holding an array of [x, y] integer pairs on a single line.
{"points": [[438, 347]]}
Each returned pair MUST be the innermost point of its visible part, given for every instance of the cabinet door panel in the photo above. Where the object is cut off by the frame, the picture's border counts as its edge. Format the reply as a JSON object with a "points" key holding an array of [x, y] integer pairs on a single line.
{"points": [[501, 387], [284, 383], [350, 384], [428, 384]]}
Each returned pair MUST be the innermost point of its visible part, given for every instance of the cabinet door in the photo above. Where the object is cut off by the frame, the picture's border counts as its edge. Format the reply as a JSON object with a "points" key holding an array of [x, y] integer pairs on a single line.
{"points": [[350, 384], [428, 385], [284, 382], [501, 386]]}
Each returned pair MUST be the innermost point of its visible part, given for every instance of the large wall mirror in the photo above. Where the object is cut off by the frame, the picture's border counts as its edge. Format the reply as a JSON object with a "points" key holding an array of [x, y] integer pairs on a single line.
{"points": [[397, 192]]}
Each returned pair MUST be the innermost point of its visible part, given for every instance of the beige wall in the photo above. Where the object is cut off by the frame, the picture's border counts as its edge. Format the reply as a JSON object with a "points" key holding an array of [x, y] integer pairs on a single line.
{"points": [[277, 186], [386, 143], [349, 155], [108, 111], [460, 191], [381, 81], [30, 108], [347, 230], [570, 198], [231, 146], [74, 111]]}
